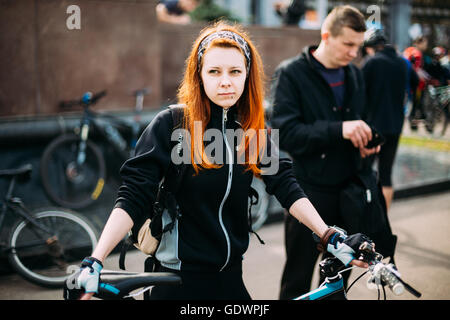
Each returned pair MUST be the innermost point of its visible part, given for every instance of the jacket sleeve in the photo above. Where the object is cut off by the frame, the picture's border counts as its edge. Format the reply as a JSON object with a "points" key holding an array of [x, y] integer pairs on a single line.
{"points": [[142, 173], [278, 175], [296, 136]]}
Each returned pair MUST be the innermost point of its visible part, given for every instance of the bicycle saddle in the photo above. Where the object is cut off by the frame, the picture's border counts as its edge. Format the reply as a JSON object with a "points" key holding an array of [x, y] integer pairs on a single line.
{"points": [[23, 172]]}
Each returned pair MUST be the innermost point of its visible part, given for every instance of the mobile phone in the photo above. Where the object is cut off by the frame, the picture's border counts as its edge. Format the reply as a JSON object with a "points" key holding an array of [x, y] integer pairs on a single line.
{"points": [[377, 139]]}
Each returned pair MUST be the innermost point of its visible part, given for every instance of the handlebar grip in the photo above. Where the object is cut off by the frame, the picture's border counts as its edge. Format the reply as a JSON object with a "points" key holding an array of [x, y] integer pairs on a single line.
{"points": [[388, 275]]}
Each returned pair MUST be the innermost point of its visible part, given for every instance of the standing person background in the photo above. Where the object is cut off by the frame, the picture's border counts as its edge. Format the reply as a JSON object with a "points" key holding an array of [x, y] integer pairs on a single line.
{"points": [[175, 11], [290, 11], [416, 55], [222, 89], [317, 98], [385, 76]]}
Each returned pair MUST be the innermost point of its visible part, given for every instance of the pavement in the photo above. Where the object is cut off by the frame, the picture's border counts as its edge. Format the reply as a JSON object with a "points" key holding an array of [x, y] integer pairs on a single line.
{"points": [[423, 257]]}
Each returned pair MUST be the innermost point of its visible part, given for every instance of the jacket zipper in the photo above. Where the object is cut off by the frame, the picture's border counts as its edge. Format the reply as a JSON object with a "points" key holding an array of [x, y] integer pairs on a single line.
{"points": [[230, 177]]}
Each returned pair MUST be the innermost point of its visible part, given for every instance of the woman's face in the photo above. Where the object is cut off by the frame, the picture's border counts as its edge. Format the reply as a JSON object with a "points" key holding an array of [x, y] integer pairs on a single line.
{"points": [[223, 75]]}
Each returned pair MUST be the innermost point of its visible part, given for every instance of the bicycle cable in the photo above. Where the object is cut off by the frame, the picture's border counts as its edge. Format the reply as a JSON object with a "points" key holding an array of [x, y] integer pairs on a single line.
{"points": [[132, 295], [359, 277]]}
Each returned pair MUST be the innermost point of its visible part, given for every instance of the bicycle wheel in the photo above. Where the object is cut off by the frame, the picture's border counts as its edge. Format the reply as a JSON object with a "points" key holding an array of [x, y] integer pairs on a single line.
{"points": [[429, 110], [45, 257], [66, 183], [259, 212]]}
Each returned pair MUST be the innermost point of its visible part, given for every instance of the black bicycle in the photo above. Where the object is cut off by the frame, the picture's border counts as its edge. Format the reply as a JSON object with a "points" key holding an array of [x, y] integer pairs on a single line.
{"points": [[436, 102], [42, 244], [73, 168]]}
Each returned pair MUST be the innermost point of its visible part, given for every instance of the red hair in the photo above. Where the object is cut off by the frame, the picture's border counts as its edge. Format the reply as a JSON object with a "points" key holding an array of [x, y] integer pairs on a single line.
{"points": [[249, 106]]}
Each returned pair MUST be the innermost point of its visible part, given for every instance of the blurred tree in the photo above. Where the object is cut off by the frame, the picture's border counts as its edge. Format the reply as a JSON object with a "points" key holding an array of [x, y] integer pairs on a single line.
{"points": [[209, 11]]}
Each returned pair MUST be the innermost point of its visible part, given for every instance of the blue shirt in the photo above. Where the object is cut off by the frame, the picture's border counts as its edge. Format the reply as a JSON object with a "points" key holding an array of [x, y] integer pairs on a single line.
{"points": [[335, 79]]}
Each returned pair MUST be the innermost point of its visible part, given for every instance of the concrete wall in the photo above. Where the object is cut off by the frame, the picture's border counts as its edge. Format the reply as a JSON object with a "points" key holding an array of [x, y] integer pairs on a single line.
{"points": [[43, 62], [274, 45], [120, 47]]}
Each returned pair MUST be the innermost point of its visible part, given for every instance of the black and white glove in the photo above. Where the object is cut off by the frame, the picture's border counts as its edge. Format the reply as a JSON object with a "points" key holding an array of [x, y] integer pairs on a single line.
{"points": [[343, 247], [90, 274]]}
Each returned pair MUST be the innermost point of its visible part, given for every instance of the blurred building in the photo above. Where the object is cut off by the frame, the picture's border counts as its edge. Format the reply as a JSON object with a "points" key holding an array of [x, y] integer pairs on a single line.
{"points": [[396, 16]]}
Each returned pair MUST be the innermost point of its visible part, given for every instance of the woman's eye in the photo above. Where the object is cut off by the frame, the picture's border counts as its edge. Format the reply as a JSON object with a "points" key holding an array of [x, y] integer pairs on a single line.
{"points": [[213, 71], [236, 71]]}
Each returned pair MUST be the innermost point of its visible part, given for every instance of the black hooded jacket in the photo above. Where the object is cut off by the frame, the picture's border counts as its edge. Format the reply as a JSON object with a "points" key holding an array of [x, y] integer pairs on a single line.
{"points": [[386, 76], [310, 124], [212, 233]]}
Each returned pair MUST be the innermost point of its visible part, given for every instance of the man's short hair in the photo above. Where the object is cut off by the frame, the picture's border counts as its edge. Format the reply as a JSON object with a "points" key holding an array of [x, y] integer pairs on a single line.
{"points": [[344, 16]]}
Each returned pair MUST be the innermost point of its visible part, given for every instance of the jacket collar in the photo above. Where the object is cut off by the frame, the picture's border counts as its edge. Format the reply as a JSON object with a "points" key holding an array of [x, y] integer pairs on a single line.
{"points": [[217, 111], [307, 54]]}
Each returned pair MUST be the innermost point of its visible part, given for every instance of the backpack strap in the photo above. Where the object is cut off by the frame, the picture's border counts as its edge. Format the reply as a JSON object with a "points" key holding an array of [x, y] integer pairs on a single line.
{"points": [[254, 198], [164, 197], [170, 184]]}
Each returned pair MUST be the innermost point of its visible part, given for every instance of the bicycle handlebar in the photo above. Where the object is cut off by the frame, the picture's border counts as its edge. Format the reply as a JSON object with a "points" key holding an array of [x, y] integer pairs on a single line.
{"points": [[116, 285], [87, 99], [384, 274]]}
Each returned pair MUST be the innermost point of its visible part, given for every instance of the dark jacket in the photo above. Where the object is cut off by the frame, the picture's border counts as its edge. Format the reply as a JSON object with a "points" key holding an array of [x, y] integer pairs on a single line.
{"points": [[310, 125], [386, 76], [212, 233]]}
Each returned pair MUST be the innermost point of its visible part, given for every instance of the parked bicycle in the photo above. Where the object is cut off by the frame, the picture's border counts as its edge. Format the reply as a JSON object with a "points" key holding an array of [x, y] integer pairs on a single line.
{"points": [[436, 103], [73, 168], [42, 244]]}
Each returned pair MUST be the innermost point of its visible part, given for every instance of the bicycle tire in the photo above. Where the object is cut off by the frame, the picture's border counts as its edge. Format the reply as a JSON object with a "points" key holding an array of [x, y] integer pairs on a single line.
{"points": [[65, 183], [259, 211], [429, 111], [34, 257]]}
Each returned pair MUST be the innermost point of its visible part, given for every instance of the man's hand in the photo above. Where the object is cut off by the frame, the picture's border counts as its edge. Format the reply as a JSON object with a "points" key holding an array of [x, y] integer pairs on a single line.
{"points": [[364, 152], [358, 132]]}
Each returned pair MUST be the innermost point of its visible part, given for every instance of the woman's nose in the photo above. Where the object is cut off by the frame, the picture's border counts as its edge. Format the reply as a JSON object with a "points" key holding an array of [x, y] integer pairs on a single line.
{"points": [[225, 81]]}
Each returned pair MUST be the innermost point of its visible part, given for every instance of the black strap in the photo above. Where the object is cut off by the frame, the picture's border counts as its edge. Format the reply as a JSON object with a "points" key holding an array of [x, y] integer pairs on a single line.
{"points": [[254, 198], [164, 198], [123, 252]]}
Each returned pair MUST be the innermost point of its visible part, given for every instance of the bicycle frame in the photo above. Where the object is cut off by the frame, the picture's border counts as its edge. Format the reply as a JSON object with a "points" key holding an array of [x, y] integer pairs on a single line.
{"points": [[15, 205], [107, 131], [332, 289]]}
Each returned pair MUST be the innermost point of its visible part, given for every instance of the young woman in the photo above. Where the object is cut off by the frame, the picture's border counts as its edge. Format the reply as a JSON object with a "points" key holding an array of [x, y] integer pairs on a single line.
{"points": [[222, 90]]}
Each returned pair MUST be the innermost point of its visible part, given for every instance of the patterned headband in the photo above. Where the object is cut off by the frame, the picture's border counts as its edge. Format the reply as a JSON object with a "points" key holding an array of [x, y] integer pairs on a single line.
{"points": [[225, 35]]}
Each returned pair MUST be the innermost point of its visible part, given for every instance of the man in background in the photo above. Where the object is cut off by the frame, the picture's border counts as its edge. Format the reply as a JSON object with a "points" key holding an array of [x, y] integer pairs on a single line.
{"points": [[385, 76], [175, 11], [317, 98]]}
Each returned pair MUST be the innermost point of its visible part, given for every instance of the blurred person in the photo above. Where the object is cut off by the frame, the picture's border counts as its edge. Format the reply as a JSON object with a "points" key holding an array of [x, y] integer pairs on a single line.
{"points": [[415, 54], [317, 98], [439, 74], [222, 90], [386, 78], [175, 11], [445, 60], [290, 11]]}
